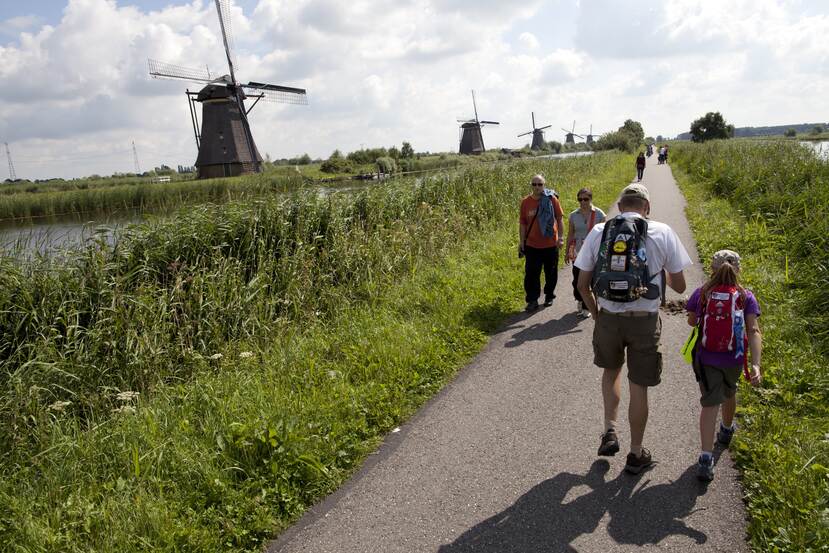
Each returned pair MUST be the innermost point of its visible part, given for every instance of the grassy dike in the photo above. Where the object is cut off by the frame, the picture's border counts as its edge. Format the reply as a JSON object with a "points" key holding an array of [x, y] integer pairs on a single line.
{"points": [[769, 203], [239, 425]]}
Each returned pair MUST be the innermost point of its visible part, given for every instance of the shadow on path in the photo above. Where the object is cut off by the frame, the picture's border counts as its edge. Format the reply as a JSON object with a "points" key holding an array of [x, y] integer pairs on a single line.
{"points": [[545, 519], [542, 331]]}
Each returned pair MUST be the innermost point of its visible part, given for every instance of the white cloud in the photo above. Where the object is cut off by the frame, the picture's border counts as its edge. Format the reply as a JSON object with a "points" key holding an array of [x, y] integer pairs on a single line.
{"points": [[380, 72]]}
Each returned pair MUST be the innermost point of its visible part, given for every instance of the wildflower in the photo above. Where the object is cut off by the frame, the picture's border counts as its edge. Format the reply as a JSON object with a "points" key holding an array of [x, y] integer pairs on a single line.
{"points": [[245, 354], [125, 409], [127, 396], [59, 405], [215, 356]]}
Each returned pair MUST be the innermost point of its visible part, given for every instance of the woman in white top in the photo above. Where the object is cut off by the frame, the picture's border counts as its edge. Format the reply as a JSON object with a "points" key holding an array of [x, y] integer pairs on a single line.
{"points": [[581, 221]]}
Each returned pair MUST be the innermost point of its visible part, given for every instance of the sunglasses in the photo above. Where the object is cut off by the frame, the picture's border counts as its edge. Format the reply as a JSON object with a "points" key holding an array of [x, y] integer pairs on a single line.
{"points": [[584, 199], [537, 184]]}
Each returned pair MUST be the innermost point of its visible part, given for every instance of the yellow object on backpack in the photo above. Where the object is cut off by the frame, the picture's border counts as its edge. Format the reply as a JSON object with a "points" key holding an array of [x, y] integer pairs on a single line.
{"points": [[687, 350]]}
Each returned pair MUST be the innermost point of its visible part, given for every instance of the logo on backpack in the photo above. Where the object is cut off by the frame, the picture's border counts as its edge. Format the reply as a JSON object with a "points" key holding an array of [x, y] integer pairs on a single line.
{"points": [[723, 321], [621, 272]]}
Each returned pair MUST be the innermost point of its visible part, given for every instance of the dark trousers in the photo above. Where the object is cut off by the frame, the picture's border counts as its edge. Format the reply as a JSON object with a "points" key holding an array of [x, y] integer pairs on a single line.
{"points": [[640, 171], [576, 293], [536, 259]]}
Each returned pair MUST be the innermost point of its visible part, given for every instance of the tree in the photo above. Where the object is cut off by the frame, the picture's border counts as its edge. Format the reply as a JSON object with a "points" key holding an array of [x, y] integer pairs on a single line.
{"points": [[633, 128], [394, 152], [791, 133], [649, 140], [817, 130], [617, 140], [406, 151], [659, 138], [711, 126]]}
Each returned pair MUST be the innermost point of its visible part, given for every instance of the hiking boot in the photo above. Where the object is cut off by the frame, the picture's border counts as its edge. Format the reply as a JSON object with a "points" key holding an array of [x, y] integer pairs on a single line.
{"points": [[531, 306], [610, 444], [548, 301], [635, 465], [705, 468], [724, 434]]}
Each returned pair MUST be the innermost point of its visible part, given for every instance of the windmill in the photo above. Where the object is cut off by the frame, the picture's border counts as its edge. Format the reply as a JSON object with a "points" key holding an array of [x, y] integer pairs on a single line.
{"points": [[471, 139], [590, 139], [225, 143], [538, 134], [568, 139]]}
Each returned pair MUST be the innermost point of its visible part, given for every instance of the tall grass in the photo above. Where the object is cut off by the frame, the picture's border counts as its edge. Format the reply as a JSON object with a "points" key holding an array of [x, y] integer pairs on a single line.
{"points": [[768, 200], [353, 310]]}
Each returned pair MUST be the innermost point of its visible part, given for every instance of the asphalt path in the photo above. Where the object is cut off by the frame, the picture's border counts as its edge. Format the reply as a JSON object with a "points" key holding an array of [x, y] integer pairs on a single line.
{"points": [[503, 459]]}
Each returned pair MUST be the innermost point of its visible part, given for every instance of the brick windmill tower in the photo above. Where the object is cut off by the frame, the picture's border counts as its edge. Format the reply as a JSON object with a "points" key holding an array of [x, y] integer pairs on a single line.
{"points": [[225, 143]]}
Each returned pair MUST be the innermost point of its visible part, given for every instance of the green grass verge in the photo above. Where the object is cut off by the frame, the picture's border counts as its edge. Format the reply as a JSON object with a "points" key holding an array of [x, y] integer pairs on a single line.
{"points": [[782, 448], [251, 424]]}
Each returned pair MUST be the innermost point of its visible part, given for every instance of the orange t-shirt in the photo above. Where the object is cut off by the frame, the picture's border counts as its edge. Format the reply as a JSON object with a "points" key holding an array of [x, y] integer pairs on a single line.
{"points": [[535, 239]]}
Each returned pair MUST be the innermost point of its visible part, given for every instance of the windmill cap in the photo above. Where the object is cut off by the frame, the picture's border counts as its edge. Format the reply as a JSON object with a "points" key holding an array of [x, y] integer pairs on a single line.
{"points": [[636, 191], [725, 256]]}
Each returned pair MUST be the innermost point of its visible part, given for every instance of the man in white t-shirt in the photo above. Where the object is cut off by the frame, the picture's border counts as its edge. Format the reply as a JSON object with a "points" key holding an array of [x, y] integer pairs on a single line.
{"points": [[633, 327]]}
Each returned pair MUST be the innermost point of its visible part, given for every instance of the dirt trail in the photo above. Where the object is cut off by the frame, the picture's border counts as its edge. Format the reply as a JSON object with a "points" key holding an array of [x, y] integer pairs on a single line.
{"points": [[504, 458]]}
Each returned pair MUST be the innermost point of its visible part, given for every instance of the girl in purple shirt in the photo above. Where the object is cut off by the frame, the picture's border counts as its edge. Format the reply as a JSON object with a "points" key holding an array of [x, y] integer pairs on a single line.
{"points": [[719, 372]]}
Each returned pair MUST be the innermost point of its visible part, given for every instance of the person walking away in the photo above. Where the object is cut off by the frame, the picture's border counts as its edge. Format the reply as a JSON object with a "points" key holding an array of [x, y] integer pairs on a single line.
{"points": [[661, 157], [666, 154], [580, 222], [621, 263], [727, 316], [640, 166], [541, 233]]}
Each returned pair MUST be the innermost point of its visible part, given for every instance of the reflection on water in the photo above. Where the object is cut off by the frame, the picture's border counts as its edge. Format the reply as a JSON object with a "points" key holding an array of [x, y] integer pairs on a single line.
{"points": [[50, 234], [820, 148]]}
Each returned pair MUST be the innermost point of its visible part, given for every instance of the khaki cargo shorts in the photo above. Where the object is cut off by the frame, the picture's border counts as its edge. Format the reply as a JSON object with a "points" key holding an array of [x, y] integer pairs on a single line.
{"points": [[614, 333], [722, 384]]}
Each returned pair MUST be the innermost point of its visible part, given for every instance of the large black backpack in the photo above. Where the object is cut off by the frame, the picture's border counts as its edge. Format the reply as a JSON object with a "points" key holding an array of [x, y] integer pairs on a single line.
{"points": [[621, 272]]}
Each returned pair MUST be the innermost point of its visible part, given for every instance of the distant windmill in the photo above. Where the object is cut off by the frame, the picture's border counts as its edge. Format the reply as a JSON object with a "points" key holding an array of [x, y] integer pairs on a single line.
{"points": [[568, 139], [538, 134], [590, 136], [471, 139], [225, 143]]}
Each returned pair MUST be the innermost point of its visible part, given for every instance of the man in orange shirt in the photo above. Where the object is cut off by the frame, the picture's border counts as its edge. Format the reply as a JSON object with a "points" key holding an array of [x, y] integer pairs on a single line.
{"points": [[539, 241]]}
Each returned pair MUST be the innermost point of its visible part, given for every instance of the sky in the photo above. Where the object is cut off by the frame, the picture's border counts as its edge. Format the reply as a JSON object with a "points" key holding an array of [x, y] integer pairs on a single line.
{"points": [[380, 72]]}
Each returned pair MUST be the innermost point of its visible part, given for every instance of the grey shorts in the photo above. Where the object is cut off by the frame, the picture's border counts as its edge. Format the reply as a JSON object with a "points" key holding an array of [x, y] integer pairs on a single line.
{"points": [[722, 384], [613, 334]]}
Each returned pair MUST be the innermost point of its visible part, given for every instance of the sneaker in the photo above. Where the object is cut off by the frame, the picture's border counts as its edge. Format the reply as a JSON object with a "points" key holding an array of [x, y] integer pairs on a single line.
{"points": [[705, 468], [725, 434], [610, 444], [531, 306], [635, 465], [548, 301]]}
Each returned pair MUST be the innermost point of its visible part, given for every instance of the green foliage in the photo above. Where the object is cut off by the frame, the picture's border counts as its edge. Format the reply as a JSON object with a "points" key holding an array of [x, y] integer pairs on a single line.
{"points": [[617, 140], [634, 129], [386, 165], [649, 140], [817, 130], [354, 310], [336, 163], [711, 126], [406, 151], [766, 200], [790, 133]]}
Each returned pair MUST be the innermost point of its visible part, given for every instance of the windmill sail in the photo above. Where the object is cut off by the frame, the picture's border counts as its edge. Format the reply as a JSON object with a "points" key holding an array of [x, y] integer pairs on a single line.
{"points": [[225, 143]]}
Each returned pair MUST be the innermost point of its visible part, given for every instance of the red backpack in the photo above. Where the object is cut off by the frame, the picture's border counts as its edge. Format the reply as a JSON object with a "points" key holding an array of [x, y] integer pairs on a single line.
{"points": [[723, 321]]}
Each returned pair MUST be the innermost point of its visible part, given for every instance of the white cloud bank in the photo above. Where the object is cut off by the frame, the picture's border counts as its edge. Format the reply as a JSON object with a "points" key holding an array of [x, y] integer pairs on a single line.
{"points": [[380, 72]]}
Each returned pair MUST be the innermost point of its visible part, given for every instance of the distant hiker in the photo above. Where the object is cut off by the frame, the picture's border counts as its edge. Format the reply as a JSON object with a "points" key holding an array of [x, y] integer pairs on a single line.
{"points": [[541, 233], [726, 314], [640, 166], [621, 262], [660, 159], [650, 150], [665, 156], [581, 221]]}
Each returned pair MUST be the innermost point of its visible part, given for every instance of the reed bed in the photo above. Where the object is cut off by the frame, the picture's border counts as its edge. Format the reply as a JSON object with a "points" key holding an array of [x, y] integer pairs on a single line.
{"points": [[768, 201], [107, 197]]}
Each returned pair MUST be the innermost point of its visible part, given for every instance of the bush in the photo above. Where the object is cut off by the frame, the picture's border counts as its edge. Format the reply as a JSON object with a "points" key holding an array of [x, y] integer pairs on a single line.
{"points": [[790, 133], [386, 165], [617, 140]]}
